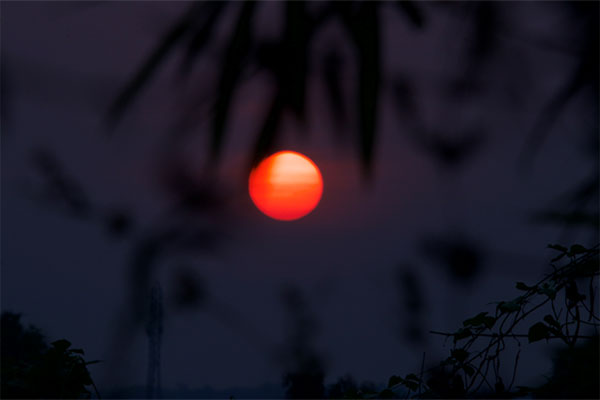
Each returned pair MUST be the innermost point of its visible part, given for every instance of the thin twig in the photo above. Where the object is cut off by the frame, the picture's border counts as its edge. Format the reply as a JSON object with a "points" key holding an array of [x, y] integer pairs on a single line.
{"points": [[512, 381], [421, 373]]}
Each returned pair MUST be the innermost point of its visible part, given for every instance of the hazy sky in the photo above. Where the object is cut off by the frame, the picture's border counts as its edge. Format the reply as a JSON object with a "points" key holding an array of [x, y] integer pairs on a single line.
{"points": [[63, 63]]}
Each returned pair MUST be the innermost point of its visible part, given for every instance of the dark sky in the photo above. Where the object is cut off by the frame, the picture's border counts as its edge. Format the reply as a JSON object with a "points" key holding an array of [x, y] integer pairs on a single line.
{"points": [[62, 65]]}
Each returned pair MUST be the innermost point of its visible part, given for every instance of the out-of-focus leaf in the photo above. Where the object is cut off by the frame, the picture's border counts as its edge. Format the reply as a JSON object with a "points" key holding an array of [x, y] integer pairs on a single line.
{"points": [[451, 151], [6, 95], [404, 95], [61, 186], [188, 289], [363, 27], [159, 55], [292, 77], [462, 257], [332, 65], [411, 11], [575, 218], [586, 74], [266, 136], [119, 223], [232, 64], [485, 34], [211, 16]]}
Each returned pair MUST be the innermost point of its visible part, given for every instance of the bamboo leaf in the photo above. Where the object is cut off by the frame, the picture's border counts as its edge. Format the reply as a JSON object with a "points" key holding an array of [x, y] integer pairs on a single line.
{"points": [[232, 66]]}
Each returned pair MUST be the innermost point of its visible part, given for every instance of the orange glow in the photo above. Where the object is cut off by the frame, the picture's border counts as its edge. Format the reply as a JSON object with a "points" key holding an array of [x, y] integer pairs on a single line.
{"points": [[286, 185]]}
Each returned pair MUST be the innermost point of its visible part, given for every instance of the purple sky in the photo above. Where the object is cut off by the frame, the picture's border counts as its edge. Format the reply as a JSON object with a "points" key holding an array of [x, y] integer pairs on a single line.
{"points": [[65, 62]]}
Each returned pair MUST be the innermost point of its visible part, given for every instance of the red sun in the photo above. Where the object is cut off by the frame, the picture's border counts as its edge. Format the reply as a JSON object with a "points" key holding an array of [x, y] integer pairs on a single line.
{"points": [[286, 186]]}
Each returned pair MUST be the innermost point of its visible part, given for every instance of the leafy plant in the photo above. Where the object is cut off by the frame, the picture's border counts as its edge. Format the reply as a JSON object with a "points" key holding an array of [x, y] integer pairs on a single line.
{"points": [[32, 369], [554, 308]]}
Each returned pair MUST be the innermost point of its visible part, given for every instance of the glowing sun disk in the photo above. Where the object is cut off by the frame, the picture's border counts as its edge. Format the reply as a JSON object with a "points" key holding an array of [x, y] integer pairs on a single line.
{"points": [[286, 186]]}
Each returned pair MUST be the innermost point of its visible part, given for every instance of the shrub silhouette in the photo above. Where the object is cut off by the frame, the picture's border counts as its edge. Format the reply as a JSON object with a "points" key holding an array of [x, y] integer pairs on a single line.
{"points": [[31, 369]]}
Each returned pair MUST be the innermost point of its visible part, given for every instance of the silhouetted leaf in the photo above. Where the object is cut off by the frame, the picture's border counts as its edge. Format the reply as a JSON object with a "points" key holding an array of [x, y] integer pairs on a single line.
{"points": [[394, 380], [537, 332], [412, 377], [411, 385], [551, 321], [480, 319], [587, 268], [499, 386], [577, 249], [558, 247], [459, 354], [469, 370], [547, 289], [462, 333], [572, 293], [523, 286], [509, 306], [61, 345]]}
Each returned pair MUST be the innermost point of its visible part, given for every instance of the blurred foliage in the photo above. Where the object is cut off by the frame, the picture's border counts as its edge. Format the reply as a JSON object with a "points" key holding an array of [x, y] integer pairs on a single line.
{"points": [[287, 59], [463, 258], [412, 304], [33, 370], [305, 374]]}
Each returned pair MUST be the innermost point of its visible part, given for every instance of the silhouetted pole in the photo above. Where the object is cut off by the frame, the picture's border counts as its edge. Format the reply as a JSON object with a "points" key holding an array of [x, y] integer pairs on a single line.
{"points": [[154, 329]]}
